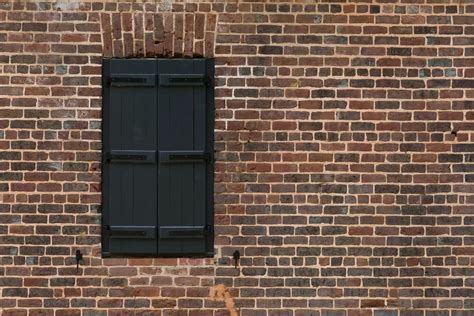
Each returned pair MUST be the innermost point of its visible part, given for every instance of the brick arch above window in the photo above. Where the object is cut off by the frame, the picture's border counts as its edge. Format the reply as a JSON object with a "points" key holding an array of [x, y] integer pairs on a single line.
{"points": [[158, 34]]}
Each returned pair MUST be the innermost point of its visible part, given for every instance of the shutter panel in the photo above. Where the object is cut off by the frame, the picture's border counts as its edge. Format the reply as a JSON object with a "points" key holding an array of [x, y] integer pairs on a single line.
{"points": [[158, 117], [129, 158], [185, 144]]}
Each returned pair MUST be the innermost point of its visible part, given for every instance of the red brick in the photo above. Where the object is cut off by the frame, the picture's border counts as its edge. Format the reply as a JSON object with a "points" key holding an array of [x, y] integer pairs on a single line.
{"points": [[349, 155]]}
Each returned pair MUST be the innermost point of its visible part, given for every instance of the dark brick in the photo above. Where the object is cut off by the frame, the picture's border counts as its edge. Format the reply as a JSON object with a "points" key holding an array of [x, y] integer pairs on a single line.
{"points": [[270, 50], [463, 147], [399, 51], [269, 29]]}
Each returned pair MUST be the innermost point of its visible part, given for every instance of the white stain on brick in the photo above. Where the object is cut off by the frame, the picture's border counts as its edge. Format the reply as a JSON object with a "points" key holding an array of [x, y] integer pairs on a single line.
{"points": [[66, 5]]}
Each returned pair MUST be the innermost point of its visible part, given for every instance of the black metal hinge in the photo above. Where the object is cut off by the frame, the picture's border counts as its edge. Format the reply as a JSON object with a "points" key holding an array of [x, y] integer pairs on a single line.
{"points": [[130, 156], [184, 156], [131, 80], [172, 232], [141, 232], [179, 80]]}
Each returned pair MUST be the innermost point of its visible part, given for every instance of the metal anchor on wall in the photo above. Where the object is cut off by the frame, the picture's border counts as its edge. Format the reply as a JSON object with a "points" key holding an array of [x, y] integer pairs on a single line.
{"points": [[236, 256], [79, 258]]}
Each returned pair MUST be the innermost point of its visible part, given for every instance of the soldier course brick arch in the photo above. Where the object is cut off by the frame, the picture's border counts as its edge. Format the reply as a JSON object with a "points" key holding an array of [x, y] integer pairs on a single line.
{"points": [[158, 30]]}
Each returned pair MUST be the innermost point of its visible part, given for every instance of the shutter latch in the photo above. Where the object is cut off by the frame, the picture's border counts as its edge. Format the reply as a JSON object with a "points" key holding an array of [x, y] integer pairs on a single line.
{"points": [[207, 230]]}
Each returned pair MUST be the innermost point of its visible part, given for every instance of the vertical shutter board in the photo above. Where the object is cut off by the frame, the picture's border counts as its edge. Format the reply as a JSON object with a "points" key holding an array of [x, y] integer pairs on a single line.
{"points": [[182, 127], [199, 110], [199, 169], [129, 187], [210, 73], [105, 167], [181, 66], [132, 66]]}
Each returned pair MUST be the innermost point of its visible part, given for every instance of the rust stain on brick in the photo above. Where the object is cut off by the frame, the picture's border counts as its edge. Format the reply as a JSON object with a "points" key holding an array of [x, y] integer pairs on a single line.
{"points": [[220, 293]]}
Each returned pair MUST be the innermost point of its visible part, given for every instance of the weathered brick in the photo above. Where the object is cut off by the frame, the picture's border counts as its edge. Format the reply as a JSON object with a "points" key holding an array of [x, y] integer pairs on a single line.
{"points": [[339, 164]]}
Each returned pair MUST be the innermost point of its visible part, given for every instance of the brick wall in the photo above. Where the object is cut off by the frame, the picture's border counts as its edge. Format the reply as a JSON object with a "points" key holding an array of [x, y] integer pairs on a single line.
{"points": [[344, 158]]}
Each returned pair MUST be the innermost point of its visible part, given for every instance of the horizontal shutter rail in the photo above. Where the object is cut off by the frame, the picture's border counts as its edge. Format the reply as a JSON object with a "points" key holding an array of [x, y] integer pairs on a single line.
{"points": [[131, 80], [131, 156], [171, 232], [141, 232], [180, 80], [183, 156]]}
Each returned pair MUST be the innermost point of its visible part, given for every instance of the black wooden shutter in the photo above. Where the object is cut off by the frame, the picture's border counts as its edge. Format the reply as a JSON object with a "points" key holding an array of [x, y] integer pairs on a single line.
{"points": [[129, 157], [157, 166], [185, 129]]}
